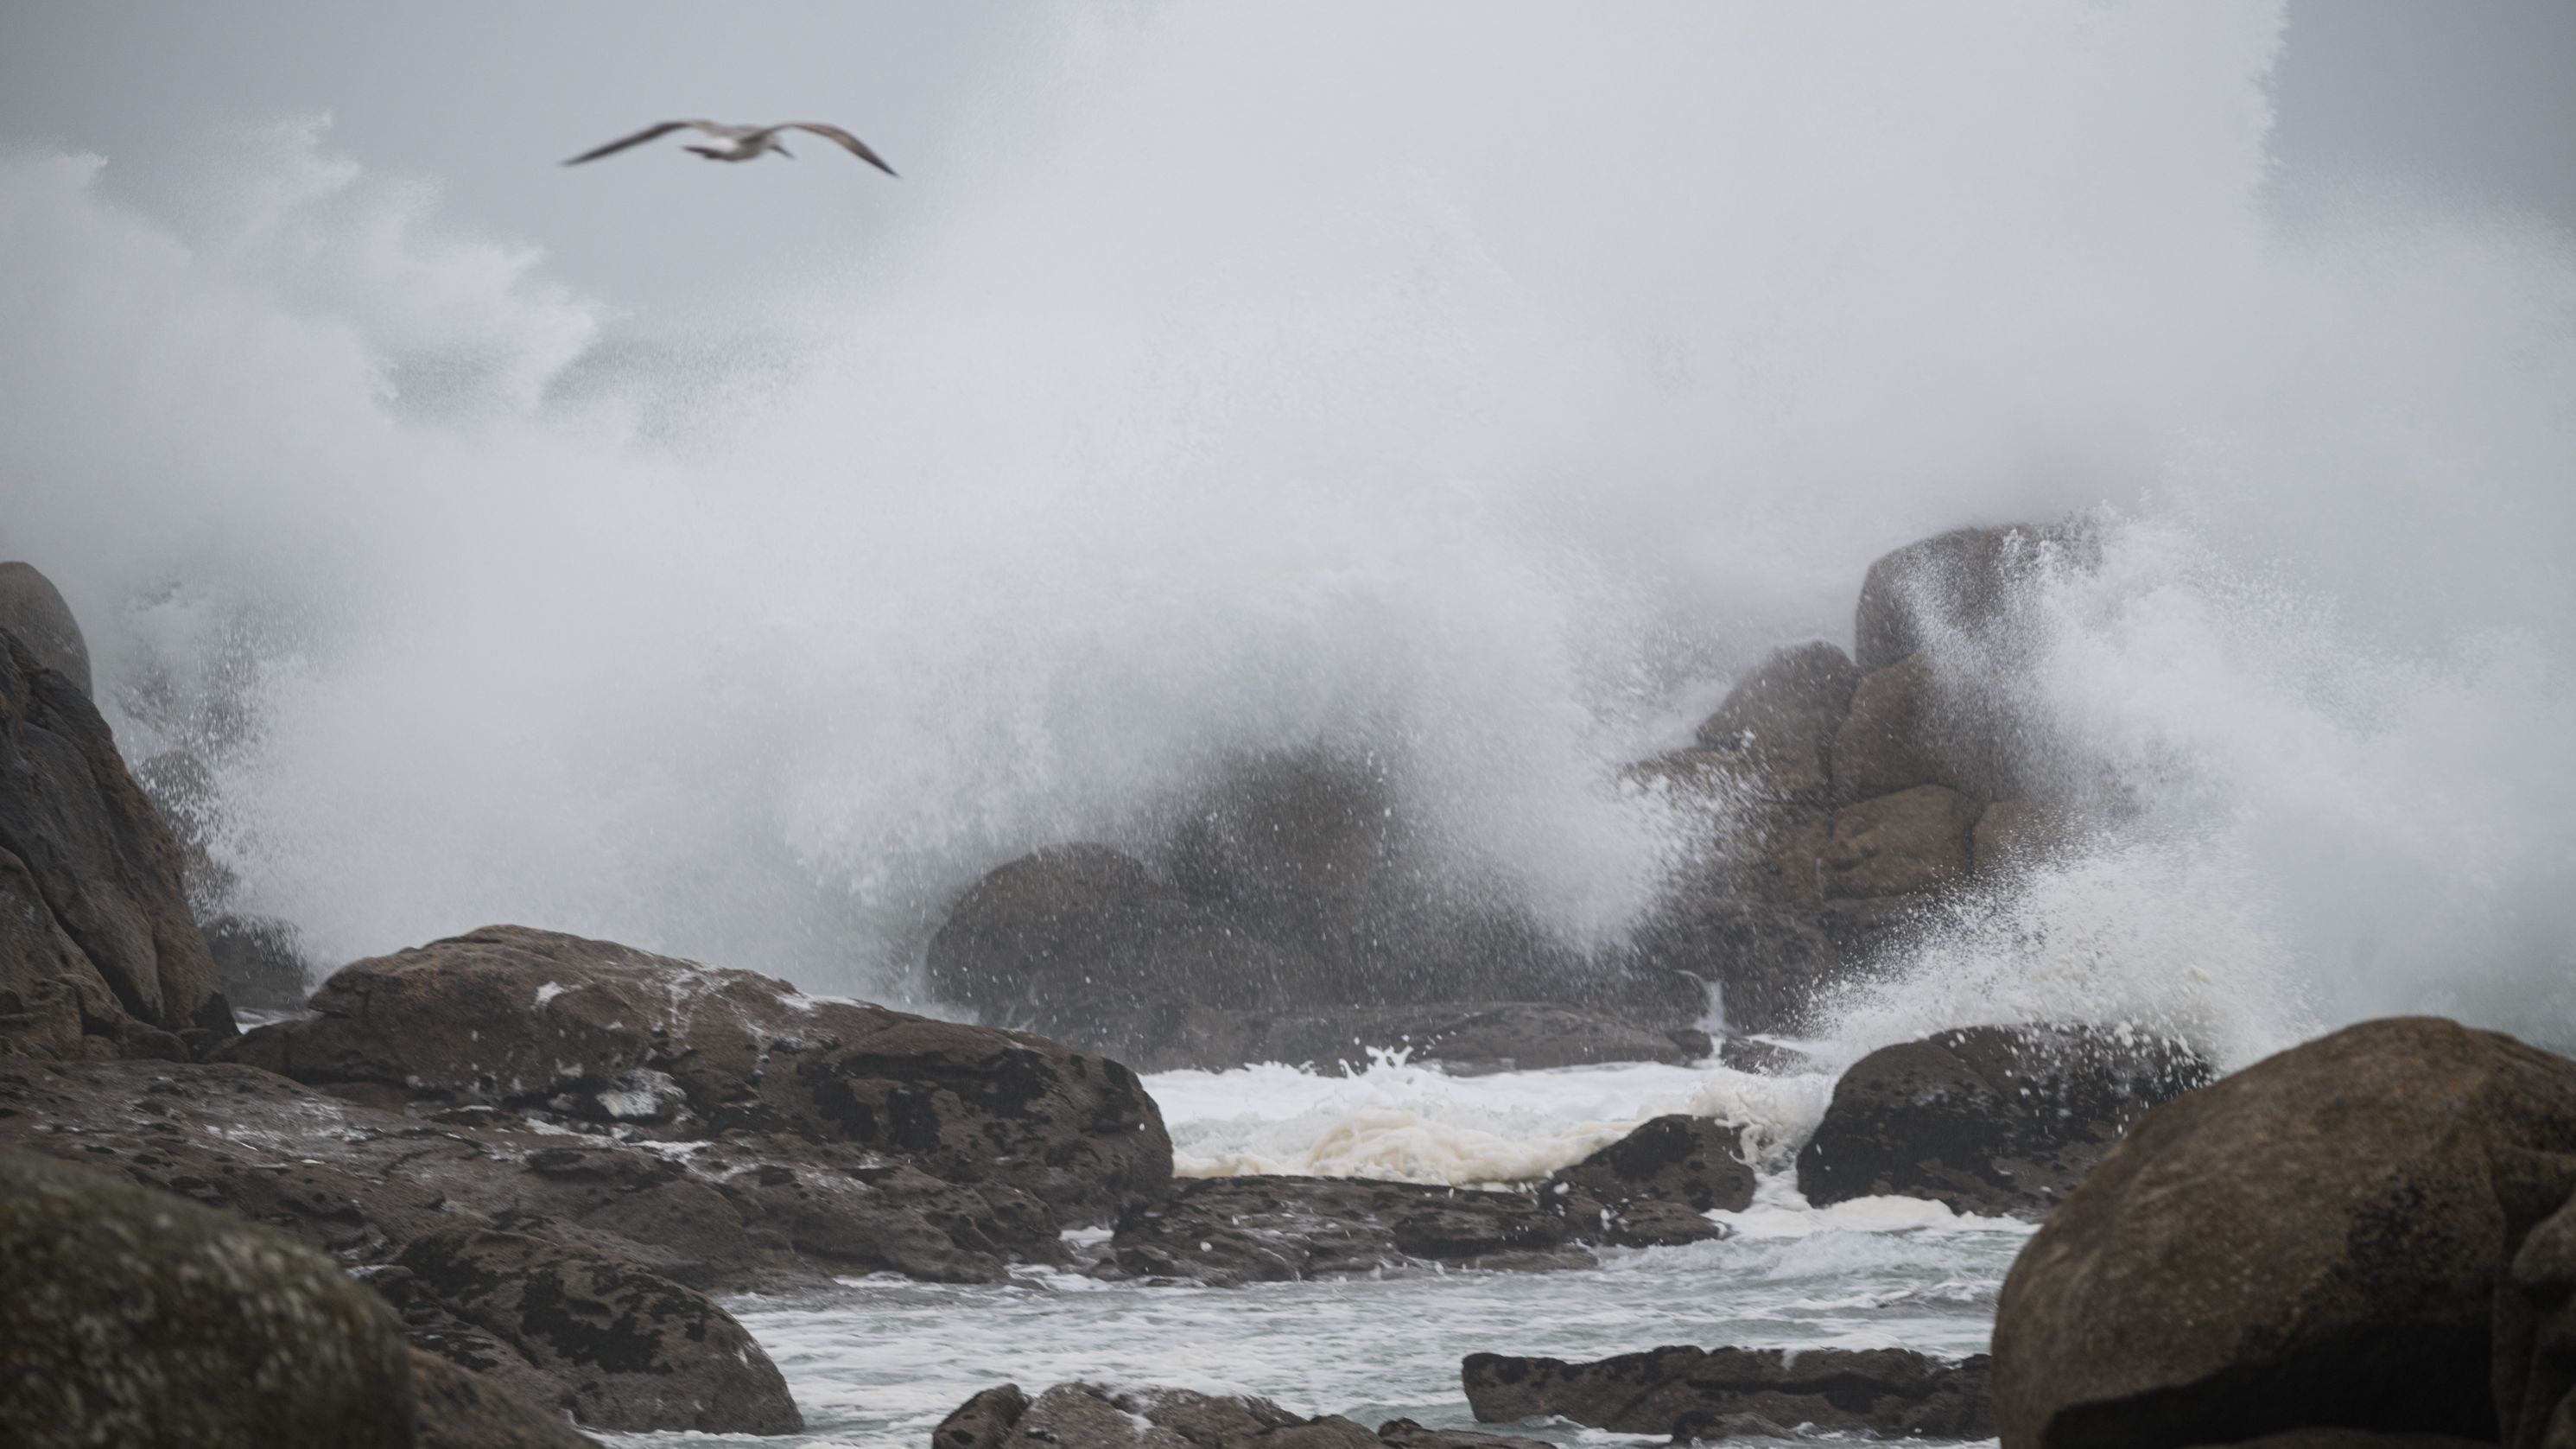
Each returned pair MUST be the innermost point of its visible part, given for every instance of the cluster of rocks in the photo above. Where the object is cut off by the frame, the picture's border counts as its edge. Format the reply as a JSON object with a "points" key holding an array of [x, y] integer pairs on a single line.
{"points": [[1301, 914]]}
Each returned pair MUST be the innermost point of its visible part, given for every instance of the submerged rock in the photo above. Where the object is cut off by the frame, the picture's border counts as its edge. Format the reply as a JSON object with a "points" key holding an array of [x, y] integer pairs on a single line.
{"points": [[2333, 1237], [624, 1349], [1090, 1416], [1694, 1393], [520, 1019], [1228, 1231], [133, 1318], [98, 954], [2003, 1121]]}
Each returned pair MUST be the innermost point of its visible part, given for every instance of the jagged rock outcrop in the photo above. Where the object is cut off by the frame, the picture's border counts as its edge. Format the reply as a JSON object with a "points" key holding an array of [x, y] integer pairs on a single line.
{"points": [[598, 1032], [33, 609], [1228, 1231], [2003, 1121], [136, 1319], [621, 1348], [2338, 1237], [98, 955], [1694, 1393], [1090, 1416]]}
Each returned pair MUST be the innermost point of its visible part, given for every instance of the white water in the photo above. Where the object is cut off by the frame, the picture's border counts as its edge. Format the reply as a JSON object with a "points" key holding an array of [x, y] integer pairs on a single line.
{"points": [[1474, 387], [879, 1363]]}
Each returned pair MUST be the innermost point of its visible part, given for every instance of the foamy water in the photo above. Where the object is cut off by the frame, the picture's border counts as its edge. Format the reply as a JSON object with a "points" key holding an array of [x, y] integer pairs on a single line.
{"points": [[880, 1361]]}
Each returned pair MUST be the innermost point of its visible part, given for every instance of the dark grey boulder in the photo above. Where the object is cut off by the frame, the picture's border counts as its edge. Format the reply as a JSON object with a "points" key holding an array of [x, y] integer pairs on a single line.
{"points": [[135, 1319], [33, 609], [1228, 1231], [259, 962], [98, 954], [2003, 1121], [1694, 1393], [2326, 1239], [1091, 1416], [626, 1349], [1649, 1188], [523, 1020]]}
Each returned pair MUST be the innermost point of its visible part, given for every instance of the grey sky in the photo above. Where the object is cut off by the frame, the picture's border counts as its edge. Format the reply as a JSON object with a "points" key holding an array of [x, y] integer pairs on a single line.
{"points": [[2468, 98]]}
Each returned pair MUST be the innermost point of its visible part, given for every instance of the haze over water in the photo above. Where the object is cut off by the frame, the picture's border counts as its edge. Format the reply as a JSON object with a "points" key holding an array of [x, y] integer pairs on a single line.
{"points": [[1468, 389]]}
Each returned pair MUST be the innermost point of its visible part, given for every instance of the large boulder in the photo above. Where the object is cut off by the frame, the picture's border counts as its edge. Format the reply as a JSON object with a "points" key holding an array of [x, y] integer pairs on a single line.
{"points": [[1909, 843], [1694, 1393], [1075, 940], [522, 1019], [625, 1349], [33, 609], [1228, 1231], [2326, 1239], [98, 954], [1778, 722], [133, 1318], [1998, 1120], [1933, 720], [1964, 588], [456, 1408]]}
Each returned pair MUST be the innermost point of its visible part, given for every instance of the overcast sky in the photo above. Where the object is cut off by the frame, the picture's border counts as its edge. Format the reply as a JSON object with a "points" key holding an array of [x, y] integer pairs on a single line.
{"points": [[2474, 99]]}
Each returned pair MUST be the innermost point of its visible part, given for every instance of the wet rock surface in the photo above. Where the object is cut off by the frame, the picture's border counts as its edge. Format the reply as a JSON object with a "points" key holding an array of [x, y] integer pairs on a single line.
{"points": [[525, 1020], [455, 1408], [98, 954], [2366, 1232], [2002, 1121], [1649, 1188], [33, 609], [1228, 1231], [1091, 1416], [133, 1318], [1694, 1393], [624, 1348]]}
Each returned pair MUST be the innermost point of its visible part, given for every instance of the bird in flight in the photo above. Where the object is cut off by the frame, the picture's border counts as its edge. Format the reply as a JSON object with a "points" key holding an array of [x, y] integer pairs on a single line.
{"points": [[743, 143]]}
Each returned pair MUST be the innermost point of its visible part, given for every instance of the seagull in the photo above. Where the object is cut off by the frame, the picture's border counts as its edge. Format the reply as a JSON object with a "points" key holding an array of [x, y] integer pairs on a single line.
{"points": [[745, 143]]}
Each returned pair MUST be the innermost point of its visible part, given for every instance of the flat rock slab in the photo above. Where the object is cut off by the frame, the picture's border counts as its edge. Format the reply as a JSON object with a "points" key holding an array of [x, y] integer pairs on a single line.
{"points": [[1090, 1416], [1695, 1393], [1227, 1231]]}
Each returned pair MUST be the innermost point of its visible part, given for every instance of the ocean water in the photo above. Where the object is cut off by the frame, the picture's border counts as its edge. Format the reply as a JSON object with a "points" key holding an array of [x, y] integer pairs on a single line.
{"points": [[879, 1361]]}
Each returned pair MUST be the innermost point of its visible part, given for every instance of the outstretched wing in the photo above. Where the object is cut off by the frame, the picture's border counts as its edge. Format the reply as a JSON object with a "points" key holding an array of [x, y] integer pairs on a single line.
{"points": [[840, 138], [639, 138]]}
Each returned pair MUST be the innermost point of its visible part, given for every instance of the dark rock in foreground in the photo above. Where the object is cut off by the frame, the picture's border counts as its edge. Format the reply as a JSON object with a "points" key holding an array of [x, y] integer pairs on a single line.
{"points": [[517, 1019], [2003, 1121], [1462, 1037], [2370, 1231], [33, 609], [629, 1350], [458, 1409], [1228, 1231], [98, 954], [136, 1319], [1692, 1393], [1089, 1416]]}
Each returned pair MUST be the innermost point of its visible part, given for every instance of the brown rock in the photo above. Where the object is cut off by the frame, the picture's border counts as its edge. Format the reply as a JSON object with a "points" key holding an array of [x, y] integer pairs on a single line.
{"points": [[1960, 587], [1650, 1187], [1913, 724], [94, 922], [2318, 1240], [524, 1019], [1778, 722], [457, 1408], [982, 1422], [1902, 844], [2014, 835], [2535, 1326]]}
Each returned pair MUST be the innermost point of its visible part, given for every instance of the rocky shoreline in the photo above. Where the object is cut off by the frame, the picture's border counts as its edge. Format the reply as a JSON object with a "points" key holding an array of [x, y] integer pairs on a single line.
{"points": [[505, 1171]]}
